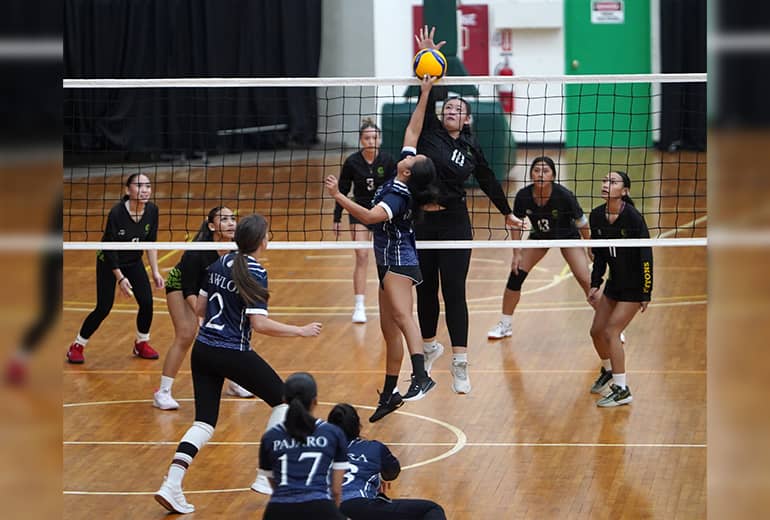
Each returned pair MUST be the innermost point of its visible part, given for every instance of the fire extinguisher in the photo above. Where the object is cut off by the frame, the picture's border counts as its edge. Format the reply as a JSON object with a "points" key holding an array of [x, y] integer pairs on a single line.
{"points": [[505, 91]]}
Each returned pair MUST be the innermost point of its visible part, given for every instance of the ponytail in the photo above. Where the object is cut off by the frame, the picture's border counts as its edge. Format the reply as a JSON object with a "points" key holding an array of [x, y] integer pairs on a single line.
{"points": [[628, 200], [346, 417], [626, 184], [300, 391], [249, 235], [422, 186]]}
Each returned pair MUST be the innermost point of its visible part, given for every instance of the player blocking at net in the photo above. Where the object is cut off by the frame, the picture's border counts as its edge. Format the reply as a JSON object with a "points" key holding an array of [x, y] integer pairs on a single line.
{"points": [[396, 204]]}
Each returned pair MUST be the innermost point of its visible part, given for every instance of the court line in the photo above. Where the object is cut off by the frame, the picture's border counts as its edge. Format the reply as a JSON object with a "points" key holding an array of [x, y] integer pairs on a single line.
{"points": [[419, 444], [373, 311]]}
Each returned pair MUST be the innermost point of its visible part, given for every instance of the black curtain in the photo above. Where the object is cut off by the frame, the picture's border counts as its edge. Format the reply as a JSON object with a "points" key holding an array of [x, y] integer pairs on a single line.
{"points": [[189, 38], [683, 49]]}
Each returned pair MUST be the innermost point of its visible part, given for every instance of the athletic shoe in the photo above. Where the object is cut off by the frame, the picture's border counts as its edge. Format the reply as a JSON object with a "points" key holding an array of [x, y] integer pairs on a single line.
{"points": [[387, 404], [461, 382], [500, 331], [237, 390], [143, 350], [602, 383], [418, 389], [432, 356], [172, 498], [162, 399], [618, 397], [359, 315], [15, 372], [262, 484], [75, 354]]}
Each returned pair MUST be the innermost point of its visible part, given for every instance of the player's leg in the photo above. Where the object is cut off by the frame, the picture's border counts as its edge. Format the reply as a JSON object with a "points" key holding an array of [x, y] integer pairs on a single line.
{"points": [[360, 233], [105, 296], [185, 324], [621, 315]]}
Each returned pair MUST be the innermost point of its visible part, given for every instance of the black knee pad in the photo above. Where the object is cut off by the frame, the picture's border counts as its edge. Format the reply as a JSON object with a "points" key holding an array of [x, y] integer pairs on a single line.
{"points": [[515, 280]]}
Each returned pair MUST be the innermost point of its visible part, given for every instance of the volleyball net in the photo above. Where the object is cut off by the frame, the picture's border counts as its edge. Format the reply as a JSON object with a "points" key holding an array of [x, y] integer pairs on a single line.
{"points": [[265, 145]]}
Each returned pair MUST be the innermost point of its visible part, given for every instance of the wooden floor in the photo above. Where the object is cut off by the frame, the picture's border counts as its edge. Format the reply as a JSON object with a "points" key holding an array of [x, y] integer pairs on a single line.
{"points": [[527, 442]]}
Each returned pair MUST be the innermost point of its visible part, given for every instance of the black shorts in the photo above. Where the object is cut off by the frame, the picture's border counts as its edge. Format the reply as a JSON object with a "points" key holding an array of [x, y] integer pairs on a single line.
{"points": [[315, 509], [174, 280], [625, 295], [410, 271], [353, 220]]}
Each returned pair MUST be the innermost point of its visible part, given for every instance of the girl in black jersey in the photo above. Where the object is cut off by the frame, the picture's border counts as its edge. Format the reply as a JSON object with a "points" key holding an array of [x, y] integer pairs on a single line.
{"points": [[628, 288], [133, 219], [366, 170], [184, 282], [232, 303], [554, 213], [449, 143]]}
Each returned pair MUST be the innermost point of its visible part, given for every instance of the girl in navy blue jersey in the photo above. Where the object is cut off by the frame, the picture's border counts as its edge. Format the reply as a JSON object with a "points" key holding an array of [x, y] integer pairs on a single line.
{"points": [[628, 289], [396, 204], [305, 458], [133, 219], [555, 214], [232, 303], [366, 170], [183, 284], [371, 464]]}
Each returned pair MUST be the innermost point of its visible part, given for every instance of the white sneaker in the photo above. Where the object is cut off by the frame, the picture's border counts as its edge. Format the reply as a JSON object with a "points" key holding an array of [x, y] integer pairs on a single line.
{"points": [[461, 382], [359, 315], [432, 356], [237, 390], [262, 484], [172, 498], [162, 399], [500, 331]]}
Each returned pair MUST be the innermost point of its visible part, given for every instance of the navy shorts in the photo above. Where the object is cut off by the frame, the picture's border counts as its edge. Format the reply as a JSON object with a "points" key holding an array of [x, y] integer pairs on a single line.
{"points": [[410, 271]]}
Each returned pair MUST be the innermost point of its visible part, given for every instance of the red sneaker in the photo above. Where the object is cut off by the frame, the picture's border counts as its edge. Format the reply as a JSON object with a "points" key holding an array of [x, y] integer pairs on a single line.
{"points": [[75, 354], [143, 350], [15, 372]]}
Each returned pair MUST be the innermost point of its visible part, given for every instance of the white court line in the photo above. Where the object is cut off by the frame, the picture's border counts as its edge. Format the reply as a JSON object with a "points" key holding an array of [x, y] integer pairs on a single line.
{"points": [[420, 444]]}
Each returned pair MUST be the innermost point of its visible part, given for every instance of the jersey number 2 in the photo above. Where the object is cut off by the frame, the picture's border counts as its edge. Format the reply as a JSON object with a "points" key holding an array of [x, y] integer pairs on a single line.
{"points": [[220, 302]]}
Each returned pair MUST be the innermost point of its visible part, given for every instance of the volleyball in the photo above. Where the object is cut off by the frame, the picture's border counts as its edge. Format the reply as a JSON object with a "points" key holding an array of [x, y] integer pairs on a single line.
{"points": [[430, 62]]}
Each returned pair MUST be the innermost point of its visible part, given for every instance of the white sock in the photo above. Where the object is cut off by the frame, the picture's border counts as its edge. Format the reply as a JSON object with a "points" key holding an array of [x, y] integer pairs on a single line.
{"points": [[176, 471], [359, 300], [506, 319], [459, 358], [80, 339], [277, 416], [165, 383], [607, 365], [429, 346], [142, 337], [620, 380]]}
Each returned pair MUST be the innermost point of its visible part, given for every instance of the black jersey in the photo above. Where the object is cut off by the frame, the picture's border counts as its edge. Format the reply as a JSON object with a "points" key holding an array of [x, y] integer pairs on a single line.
{"points": [[456, 160], [555, 219], [192, 271], [122, 228], [364, 177], [630, 267]]}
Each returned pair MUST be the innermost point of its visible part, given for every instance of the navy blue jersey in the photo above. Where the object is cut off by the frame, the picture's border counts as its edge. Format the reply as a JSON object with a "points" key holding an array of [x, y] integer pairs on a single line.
{"points": [[364, 177], [368, 459], [394, 242], [630, 267], [555, 219], [227, 322], [302, 470]]}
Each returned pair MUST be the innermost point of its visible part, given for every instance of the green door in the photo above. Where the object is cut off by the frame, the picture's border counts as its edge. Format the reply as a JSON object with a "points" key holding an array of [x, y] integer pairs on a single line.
{"points": [[607, 37]]}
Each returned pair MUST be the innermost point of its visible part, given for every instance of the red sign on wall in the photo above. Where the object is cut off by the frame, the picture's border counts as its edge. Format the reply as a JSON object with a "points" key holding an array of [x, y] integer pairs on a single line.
{"points": [[474, 37]]}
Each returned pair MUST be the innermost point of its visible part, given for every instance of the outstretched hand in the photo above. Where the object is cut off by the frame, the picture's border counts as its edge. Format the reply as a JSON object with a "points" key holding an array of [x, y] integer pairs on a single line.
{"points": [[425, 39], [310, 330], [332, 185]]}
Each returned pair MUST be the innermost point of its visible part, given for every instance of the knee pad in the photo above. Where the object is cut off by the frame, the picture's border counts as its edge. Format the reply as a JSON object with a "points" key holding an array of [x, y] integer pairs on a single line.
{"points": [[515, 280]]}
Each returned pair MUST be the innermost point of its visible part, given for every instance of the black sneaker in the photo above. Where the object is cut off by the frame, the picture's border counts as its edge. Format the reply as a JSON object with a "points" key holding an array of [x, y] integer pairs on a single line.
{"points": [[602, 383], [418, 389], [618, 397], [387, 404]]}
